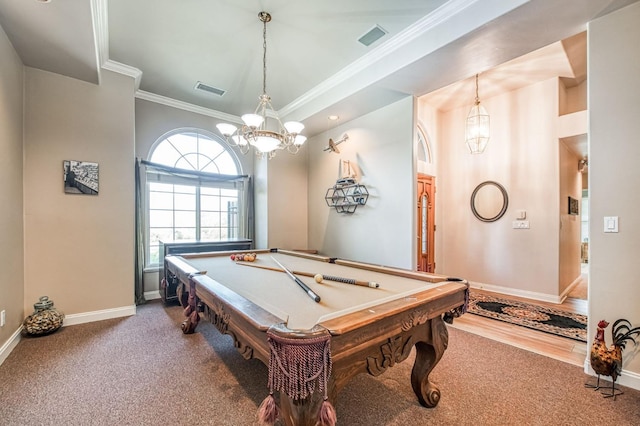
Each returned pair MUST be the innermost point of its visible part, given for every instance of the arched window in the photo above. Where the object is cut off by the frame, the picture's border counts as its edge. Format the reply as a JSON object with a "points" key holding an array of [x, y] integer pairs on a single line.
{"points": [[194, 191]]}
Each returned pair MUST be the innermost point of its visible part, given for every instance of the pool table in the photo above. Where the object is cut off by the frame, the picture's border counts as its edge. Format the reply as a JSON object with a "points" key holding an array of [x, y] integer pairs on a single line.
{"points": [[363, 329]]}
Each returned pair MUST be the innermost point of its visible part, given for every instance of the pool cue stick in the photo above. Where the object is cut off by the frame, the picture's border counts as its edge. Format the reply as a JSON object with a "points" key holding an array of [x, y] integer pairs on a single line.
{"points": [[371, 284], [302, 285]]}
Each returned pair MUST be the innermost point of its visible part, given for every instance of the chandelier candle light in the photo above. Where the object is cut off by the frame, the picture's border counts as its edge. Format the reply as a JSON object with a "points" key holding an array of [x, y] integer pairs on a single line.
{"points": [[477, 128], [254, 131]]}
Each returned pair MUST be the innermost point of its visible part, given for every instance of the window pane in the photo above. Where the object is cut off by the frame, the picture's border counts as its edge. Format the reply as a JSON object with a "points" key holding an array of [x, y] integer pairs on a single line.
{"points": [[209, 203], [210, 233], [160, 234], [165, 153], [211, 150], [185, 234], [205, 190], [160, 218], [226, 165], [229, 192], [185, 142], [185, 219], [160, 200], [185, 202], [154, 255], [188, 162], [209, 219], [227, 204], [162, 187], [184, 189]]}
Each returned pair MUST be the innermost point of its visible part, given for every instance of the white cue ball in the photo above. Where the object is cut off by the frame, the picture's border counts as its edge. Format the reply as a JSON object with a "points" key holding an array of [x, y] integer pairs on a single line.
{"points": [[318, 278]]}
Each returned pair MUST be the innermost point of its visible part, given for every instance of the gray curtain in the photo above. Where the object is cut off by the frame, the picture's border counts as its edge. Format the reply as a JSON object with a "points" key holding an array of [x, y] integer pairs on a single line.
{"points": [[139, 241]]}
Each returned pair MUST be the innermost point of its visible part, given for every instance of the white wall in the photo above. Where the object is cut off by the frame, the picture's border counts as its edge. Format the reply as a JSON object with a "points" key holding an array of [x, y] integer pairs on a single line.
{"points": [[11, 206], [614, 67], [522, 156], [79, 248], [381, 146]]}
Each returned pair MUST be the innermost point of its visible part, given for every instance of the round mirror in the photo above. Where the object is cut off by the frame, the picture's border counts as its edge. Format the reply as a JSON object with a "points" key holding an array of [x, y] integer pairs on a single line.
{"points": [[489, 201]]}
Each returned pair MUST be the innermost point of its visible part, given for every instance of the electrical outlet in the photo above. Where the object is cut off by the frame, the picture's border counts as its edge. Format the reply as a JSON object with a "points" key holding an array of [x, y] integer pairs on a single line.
{"points": [[2, 318]]}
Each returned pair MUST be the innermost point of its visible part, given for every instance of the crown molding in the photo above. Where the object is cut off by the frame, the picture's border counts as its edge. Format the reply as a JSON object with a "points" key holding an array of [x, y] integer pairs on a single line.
{"points": [[163, 100], [380, 53], [99, 16], [124, 69]]}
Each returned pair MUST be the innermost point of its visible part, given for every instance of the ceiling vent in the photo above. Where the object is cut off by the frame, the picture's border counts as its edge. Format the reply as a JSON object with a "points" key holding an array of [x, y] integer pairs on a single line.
{"points": [[210, 89], [373, 35]]}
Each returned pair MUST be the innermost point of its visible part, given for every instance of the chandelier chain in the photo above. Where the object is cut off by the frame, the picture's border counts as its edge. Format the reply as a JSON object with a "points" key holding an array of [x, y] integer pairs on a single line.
{"points": [[477, 97], [264, 56]]}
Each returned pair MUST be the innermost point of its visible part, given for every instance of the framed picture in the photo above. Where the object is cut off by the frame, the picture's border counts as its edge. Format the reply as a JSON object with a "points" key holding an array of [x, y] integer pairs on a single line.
{"points": [[80, 177], [573, 206]]}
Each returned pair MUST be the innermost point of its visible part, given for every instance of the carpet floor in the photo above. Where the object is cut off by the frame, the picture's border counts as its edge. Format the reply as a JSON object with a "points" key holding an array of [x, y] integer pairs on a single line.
{"points": [[541, 318], [142, 370]]}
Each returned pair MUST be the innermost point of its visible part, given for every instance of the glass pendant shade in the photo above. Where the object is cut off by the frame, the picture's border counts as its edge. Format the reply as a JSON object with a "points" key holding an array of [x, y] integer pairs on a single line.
{"points": [[226, 129], [477, 129], [293, 126], [299, 140], [252, 120], [265, 143]]}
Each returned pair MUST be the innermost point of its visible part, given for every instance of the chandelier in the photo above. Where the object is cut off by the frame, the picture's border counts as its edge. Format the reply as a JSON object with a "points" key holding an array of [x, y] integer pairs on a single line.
{"points": [[254, 131], [477, 128]]}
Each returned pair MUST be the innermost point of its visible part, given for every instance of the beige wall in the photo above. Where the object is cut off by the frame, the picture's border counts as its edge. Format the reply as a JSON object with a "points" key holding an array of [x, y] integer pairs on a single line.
{"points": [[11, 206], [79, 248], [614, 65], [286, 201], [382, 231], [570, 225], [522, 155]]}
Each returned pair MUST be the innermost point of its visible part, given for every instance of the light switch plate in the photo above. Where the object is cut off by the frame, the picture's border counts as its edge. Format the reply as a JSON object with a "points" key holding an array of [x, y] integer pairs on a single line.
{"points": [[611, 224]]}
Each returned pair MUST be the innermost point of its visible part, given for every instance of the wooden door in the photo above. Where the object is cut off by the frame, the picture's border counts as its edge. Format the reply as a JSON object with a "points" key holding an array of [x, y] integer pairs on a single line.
{"points": [[425, 223]]}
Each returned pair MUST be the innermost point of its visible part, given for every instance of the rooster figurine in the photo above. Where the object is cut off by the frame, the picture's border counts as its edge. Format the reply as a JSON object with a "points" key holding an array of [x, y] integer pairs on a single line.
{"points": [[608, 361]]}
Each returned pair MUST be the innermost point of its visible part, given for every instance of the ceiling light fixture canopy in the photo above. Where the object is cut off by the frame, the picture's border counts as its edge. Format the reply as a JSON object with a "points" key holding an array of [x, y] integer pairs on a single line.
{"points": [[254, 130], [477, 128]]}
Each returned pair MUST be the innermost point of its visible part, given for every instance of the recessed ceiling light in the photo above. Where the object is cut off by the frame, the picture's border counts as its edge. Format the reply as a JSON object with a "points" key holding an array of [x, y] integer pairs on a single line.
{"points": [[333, 117], [43, 1]]}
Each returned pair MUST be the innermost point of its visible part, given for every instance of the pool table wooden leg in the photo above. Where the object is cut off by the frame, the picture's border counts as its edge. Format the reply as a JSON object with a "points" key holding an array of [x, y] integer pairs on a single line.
{"points": [[428, 354], [304, 412]]}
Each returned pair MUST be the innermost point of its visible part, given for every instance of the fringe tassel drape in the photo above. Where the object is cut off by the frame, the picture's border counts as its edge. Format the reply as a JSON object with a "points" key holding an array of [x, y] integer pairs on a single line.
{"points": [[298, 367]]}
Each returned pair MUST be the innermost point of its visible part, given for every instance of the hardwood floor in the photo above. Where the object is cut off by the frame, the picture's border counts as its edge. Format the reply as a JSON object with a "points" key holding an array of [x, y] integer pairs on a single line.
{"points": [[556, 347]]}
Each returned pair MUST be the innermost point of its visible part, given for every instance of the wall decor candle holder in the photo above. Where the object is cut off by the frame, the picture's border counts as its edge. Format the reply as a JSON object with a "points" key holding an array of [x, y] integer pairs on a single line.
{"points": [[346, 195]]}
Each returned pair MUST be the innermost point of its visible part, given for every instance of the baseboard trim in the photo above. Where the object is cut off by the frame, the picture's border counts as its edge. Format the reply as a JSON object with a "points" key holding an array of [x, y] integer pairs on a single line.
{"points": [[75, 319], [515, 292], [152, 295], [10, 344], [569, 289], [627, 378]]}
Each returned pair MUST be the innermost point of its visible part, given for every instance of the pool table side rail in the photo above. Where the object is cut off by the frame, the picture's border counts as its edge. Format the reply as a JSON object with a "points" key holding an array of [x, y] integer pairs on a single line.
{"points": [[304, 255], [432, 302], [416, 275]]}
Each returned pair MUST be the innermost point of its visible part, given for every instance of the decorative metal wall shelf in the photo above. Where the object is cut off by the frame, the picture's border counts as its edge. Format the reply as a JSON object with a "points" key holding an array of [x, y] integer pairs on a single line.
{"points": [[346, 195]]}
